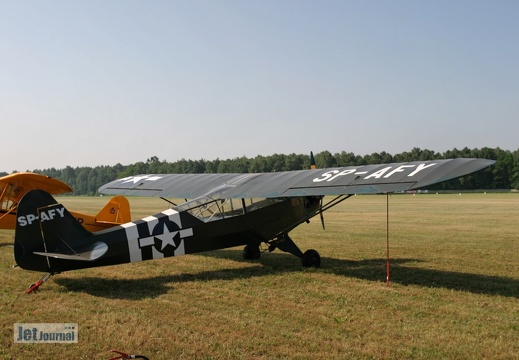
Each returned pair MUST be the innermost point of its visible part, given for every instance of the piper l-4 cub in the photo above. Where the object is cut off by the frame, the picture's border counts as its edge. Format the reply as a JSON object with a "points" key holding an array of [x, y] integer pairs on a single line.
{"points": [[226, 210]]}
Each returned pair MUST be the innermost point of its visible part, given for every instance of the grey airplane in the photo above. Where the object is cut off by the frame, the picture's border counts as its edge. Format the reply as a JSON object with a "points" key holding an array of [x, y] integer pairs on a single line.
{"points": [[220, 211]]}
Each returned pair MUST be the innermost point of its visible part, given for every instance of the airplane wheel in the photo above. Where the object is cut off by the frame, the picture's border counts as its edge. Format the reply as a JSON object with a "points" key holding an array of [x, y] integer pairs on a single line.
{"points": [[251, 252], [311, 258]]}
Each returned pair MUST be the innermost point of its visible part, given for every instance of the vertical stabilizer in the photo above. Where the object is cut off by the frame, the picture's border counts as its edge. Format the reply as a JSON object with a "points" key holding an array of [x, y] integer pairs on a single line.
{"points": [[44, 230], [116, 211]]}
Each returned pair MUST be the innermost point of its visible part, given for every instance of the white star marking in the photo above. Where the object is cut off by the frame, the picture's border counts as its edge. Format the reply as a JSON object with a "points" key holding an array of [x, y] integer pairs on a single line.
{"points": [[136, 179], [167, 239]]}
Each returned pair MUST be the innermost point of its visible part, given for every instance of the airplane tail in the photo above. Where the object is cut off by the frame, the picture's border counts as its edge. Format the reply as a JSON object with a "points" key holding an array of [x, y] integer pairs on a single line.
{"points": [[116, 211], [48, 238]]}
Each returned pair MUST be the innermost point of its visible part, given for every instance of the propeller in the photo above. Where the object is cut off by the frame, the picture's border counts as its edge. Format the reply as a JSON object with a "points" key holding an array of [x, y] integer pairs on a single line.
{"points": [[321, 213]]}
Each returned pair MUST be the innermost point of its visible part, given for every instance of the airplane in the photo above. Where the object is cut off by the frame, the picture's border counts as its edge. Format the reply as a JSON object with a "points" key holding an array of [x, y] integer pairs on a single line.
{"points": [[220, 211], [14, 186]]}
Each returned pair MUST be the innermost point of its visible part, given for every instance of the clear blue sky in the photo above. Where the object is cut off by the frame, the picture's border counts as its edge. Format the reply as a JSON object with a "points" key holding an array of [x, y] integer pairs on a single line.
{"points": [[86, 83]]}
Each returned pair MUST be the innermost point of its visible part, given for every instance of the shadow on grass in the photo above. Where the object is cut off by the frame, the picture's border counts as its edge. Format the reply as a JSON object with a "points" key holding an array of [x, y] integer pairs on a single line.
{"points": [[375, 270], [151, 287], [7, 244], [278, 263]]}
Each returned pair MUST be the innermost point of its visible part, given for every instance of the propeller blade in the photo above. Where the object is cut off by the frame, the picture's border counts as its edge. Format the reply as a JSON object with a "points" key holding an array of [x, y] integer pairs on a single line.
{"points": [[321, 213]]}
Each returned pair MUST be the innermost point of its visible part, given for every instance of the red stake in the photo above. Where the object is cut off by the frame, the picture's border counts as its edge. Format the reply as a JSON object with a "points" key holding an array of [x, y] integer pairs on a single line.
{"points": [[387, 240], [39, 283], [124, 356]]}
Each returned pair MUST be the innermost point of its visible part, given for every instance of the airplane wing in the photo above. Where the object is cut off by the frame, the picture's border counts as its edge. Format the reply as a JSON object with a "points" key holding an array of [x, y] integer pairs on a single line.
{"points": [[368, 179], [26, 181], [14, 186]]}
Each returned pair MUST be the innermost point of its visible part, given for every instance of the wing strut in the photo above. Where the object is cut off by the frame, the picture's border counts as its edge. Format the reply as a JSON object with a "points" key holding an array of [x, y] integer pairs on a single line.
{"points": [[334, 201], [168, 201]]}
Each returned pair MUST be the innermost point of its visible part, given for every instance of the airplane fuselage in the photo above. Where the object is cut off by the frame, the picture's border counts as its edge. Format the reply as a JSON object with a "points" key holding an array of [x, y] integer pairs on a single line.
{"points": [[170, 233]]}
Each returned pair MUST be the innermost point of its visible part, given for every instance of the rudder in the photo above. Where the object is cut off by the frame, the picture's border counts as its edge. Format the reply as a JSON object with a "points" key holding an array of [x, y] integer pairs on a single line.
{"points": [[116, 211], [45, 230]]}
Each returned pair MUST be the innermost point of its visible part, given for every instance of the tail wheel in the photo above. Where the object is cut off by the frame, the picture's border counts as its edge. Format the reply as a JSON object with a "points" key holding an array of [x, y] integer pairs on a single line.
{"points": [[311, 258], [251, 252]]}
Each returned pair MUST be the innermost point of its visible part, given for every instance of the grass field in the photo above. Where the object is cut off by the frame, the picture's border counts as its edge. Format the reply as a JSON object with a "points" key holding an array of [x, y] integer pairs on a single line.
{"points": [[454, 290]]}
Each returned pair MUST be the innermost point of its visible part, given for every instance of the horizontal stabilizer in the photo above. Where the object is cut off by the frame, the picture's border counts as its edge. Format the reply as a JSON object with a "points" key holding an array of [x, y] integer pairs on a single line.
{"points": [[90, 253]]}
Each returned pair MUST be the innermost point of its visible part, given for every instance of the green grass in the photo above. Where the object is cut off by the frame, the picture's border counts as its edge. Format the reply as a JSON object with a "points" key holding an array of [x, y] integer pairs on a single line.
{"points": [[454, 290]]}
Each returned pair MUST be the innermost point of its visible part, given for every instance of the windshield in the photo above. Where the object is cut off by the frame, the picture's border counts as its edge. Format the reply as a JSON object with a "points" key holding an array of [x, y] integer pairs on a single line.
{"points": [[211, 206]]}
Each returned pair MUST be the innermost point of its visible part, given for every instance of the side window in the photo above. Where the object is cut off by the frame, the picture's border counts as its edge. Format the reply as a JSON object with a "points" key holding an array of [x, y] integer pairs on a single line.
{"points": [[9, 196], [3, 204]]}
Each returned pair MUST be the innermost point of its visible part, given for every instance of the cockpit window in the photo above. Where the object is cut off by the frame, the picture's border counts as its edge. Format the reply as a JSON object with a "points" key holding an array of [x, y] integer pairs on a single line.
{"points": [[9, 196], [211, 207]]}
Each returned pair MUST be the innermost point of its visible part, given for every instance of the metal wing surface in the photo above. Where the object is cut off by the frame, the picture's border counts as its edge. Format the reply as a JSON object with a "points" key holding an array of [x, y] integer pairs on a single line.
{"points": [[367, 179]]}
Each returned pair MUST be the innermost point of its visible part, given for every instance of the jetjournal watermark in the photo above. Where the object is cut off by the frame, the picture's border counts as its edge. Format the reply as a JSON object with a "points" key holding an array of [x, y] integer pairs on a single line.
{"points": [[45, 333]]}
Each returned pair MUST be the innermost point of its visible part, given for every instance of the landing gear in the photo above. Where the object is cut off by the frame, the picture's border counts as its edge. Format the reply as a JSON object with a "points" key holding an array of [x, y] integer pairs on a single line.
{"points": [[251, 252], [310, 258]]}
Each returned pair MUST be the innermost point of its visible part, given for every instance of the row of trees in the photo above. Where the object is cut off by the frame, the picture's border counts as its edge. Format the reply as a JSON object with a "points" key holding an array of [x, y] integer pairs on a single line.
{"points": [[504, 175]]}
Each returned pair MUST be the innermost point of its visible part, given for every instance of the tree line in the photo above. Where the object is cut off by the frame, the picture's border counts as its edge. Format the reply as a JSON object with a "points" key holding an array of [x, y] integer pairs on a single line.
{"points": [[504, 175]]}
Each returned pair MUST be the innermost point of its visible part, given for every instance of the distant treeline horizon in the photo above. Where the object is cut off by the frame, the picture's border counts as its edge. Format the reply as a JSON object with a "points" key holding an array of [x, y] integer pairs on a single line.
{"points": [[504, 175]]}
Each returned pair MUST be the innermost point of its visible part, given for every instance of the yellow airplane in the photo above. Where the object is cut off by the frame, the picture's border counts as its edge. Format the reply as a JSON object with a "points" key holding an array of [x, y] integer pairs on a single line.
{"points": [[13, 187]]}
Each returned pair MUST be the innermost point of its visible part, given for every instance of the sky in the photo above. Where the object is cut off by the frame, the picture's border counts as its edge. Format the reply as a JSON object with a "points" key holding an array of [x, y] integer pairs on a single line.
{"points": [[88, 83]]}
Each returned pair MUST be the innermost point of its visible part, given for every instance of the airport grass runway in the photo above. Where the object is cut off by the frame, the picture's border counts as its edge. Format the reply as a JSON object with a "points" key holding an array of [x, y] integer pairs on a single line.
{"points": [[454, 290]]}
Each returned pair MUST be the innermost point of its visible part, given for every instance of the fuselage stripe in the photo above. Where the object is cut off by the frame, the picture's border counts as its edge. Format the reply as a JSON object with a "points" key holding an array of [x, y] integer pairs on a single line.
{"points": [[132, 235]]}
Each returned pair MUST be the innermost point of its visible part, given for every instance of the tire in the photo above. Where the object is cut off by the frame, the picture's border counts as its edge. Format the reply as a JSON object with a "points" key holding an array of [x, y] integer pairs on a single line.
{"points": [[251, 252], [311, 258]]}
